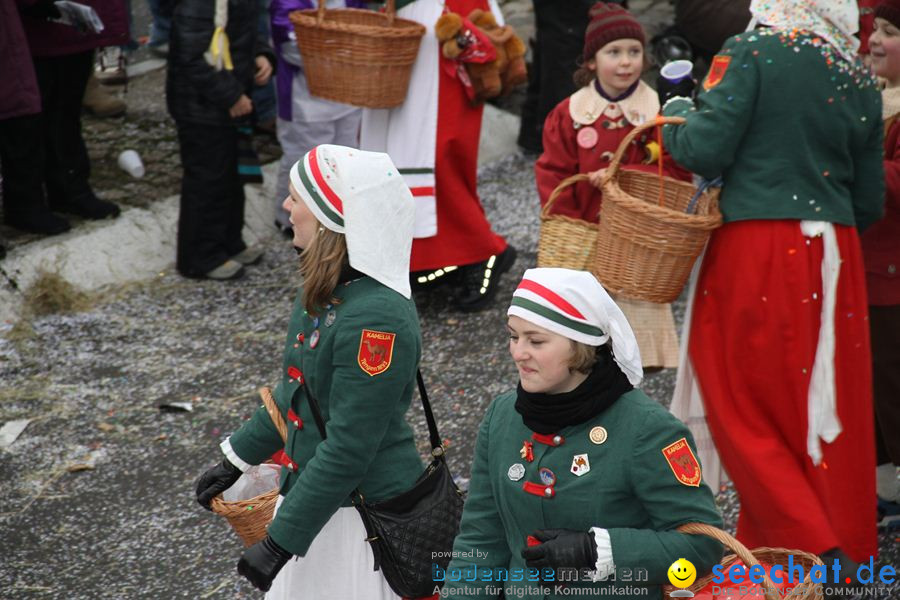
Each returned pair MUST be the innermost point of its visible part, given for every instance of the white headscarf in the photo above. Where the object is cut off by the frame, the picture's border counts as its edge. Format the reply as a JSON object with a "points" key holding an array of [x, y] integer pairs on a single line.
{"points": [[573, 304], [362, 195], [834, 20]]}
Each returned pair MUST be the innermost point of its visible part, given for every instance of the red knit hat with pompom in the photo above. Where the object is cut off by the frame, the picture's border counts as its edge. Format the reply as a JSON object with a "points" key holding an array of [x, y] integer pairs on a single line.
{"points": [[609, 22]]}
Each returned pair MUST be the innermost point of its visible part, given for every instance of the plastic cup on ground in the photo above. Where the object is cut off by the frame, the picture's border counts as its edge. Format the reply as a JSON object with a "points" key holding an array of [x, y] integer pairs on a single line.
{"points": [[677, 70], [130, 162]]}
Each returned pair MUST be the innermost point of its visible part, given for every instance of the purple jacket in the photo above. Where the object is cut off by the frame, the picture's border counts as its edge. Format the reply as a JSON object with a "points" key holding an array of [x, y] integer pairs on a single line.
{"points": [[19, 93], [281, 30], [54, 39]]}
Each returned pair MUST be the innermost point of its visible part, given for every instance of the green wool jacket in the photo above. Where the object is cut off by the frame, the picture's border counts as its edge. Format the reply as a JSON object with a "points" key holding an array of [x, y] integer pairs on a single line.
{"points": [[630, 489], [793, 128], [359, 360]]}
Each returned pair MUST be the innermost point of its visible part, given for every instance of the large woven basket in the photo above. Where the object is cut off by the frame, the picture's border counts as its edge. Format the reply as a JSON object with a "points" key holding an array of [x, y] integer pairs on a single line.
{"points": [[355, 56], [646, 242], [566, 242], [250, 518], [805, 591]]}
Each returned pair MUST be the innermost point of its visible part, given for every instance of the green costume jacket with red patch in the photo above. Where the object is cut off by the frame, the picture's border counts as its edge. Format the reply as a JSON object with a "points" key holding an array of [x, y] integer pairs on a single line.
{"points": [[752, 125], [358, 358], [640, 481]]}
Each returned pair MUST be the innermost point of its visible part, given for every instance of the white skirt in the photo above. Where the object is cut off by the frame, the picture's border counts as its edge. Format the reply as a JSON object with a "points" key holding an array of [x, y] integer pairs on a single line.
{"points": [[338, 564]]}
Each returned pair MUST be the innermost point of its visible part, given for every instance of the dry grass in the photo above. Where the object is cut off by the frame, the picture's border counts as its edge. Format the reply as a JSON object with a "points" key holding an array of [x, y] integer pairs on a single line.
{"points": [[49, 294]]}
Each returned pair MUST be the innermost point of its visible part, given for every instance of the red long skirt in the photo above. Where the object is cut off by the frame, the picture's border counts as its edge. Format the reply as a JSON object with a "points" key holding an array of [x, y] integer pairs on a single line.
{"points": [[753, 339], [464, 233]]}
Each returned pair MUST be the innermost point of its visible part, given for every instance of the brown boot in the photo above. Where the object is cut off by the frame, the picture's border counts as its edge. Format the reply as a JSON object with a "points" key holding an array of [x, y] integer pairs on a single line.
{"points": [[100, 102]]}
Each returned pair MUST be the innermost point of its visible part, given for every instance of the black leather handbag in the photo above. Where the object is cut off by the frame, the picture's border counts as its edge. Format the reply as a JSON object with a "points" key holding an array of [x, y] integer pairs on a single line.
{"points": [[406, 531]]}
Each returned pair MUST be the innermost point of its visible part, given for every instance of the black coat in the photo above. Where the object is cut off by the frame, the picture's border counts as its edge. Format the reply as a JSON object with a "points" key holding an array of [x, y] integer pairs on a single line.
{"points": [[195, 92]]}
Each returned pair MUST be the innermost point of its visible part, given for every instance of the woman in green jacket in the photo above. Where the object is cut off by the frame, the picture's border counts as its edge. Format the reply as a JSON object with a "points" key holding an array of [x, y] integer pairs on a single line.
{"points": [[353, 343], [579, 479]]}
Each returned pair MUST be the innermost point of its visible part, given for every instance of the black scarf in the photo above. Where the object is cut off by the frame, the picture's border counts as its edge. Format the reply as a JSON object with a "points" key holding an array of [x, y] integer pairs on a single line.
{"points": [[548, 413]]}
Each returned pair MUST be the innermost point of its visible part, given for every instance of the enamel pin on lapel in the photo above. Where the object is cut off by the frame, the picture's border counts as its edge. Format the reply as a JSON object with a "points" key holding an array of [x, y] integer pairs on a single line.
{"points": [[580, 465], [516, 472], [598, 435]]}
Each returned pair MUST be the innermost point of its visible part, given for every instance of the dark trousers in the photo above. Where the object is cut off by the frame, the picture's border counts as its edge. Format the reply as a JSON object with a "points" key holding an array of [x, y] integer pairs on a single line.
{"points": [[22, 158], [212, 198], [884, 323], [67, 168], [558, 45]]}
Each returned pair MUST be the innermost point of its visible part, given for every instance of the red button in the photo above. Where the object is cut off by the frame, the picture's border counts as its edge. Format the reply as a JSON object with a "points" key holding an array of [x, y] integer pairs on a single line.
{"points": [[294, 373]]}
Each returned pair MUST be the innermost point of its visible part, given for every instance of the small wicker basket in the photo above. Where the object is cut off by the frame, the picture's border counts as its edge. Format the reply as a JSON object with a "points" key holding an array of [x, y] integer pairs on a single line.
{"points": [[807, 590], [566, 242], [355, 56], [251, 517], [646, 242]]}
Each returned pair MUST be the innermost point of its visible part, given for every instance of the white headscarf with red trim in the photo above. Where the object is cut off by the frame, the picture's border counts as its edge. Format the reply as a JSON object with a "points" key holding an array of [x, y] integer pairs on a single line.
{"points": [[834, 20], [361, 195], [573, 304]]}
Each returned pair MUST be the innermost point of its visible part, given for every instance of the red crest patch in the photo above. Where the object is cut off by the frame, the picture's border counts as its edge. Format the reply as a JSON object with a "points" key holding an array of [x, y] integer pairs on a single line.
{"points": [[375, 351], [683, 463], [716, 71]]}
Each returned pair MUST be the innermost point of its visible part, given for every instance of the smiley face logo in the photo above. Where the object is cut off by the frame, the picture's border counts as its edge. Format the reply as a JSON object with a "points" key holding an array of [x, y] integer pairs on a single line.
{"points": [[682, 573]]}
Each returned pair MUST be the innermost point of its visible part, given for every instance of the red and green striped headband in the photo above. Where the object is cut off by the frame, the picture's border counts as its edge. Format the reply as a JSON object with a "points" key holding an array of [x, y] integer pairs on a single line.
{"points": [[317, 186], [574, 305]]}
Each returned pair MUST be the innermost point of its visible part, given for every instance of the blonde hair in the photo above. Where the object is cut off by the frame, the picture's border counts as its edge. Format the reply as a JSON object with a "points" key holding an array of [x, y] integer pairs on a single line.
{"points": [[583, 357], [321, 264]]}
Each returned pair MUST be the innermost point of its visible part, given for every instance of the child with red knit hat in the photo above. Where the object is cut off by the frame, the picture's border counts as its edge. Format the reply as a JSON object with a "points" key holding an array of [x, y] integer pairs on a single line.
{"points": [[881, 253], [583, 132]]}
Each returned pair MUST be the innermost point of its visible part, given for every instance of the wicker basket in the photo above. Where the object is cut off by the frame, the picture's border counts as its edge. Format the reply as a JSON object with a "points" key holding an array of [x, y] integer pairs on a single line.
{"points": [[355, 56], [566, 242], [250, 518], [646, 248], [805, 591]]}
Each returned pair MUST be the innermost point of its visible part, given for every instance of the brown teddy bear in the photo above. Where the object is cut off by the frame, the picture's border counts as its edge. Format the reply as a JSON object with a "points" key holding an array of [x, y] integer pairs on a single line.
{"points": [[510, 49], [491, 58]]}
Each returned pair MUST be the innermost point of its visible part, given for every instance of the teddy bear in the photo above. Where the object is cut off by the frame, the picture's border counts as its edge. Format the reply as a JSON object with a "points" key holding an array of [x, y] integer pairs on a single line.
{"points": [[510, 49], [490, 59]]}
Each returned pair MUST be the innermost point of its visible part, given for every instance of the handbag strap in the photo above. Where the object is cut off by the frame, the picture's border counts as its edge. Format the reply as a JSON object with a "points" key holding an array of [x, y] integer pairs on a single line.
{"points": [[437, 448]]}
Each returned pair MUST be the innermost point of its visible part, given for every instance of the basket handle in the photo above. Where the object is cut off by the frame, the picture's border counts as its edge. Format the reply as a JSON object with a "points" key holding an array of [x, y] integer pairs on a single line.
{"points": [[274, 413], [735, 546], [568, 181], [613, 167]]}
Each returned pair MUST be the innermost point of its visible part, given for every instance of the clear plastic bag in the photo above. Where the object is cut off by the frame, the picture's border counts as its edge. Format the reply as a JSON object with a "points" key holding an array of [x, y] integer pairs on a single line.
{"points": [[256, 480]]}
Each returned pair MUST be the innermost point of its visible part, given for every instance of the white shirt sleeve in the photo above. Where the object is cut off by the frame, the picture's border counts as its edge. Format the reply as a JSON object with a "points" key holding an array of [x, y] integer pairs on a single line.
{"points": [[236, 460], [604, 566]]}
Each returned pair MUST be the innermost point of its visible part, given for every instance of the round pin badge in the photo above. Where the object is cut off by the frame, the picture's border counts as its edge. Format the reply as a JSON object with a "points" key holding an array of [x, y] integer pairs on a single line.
{"points": [[314, 339], [587, 137], [315, 322], [598, 435], [516, 472], [547, 476]]}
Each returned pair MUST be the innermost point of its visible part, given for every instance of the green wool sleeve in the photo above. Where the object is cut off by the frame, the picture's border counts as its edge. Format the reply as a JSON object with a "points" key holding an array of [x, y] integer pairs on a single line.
{"points": [[708, 141], [360, 410], [668, 503], [481, 547], [868, 182], [258, 439]]}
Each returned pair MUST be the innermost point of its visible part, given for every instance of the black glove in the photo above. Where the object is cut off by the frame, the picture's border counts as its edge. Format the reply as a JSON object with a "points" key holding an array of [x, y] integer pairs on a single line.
{"points": [[42, 9], [215, 481], [261, 563], [562, 548], [665, 89]]}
